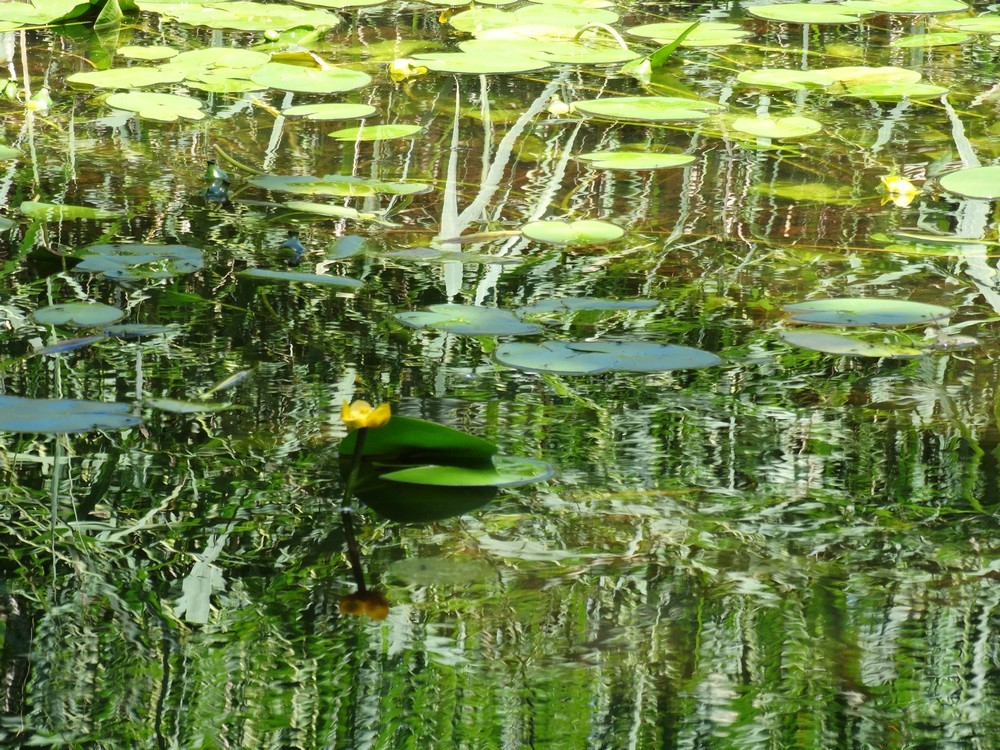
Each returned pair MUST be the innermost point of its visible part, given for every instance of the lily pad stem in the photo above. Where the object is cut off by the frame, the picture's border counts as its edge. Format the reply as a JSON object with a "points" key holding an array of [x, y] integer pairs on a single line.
{"points": [[239, 165], [346, 512], [603, 27]]}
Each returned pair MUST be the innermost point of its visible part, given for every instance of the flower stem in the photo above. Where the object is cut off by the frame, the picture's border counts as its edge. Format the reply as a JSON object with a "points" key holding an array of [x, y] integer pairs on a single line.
{"points": [[346, 517]]}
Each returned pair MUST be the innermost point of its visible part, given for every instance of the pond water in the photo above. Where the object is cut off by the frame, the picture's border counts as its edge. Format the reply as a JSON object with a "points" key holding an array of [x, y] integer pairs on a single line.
{"points": [[785, 548]]}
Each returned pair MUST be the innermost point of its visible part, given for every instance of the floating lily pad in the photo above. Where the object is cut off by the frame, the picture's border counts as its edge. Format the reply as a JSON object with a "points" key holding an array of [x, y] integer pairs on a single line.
{"points": [[588, 52], [976, 182], [707, 34], [339, 185], [159, 107], [137, 262], [830, 343], [78, 315], [580, 304], [634, 160], [647, 108], [478, 64], [324, 209], [310, 80], [468, 320], [811, 13], [934, 39], [641, 356], [334, 111], [60, 212], [809, 192], [783, 128], [127, 78], [262, 274], [241, 15], [856, 75], [530, 22], [177, 406], [62, 416], [780, 78], [376, 132], [556, 357], [228, 58], [573, 233], [868, 311], [906, 7], [984, 24], [407, 440], [153, 52], [504, 471], [342, 4], [896, 91]]}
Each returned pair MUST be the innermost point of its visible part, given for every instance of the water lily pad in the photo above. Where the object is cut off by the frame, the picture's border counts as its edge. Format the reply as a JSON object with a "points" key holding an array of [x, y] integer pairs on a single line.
{"points": [[159, 107], [376, 132], [934, 39], [641, 356], [554, 357], [152, 52], [333, 184], [856, 75], [634, 160], [178, 406], [976, 182], [127, 78], [342, 4], [906, 7], [530, 22], [896, 91], [590, 51], [62, 416], [468, 320], [811, 13], [830, 343], [984, 24], [783, 128], [809, 192], [867, 311], [135, 262], [407, 440], [580, 304], [781, 78], [78, 315], [573, 233], [241, 15], [233, 58], [647, 108], [334, 111], [324, 209], [310, 80], [262, 274], [503, 471], [60, 212], [707, 34], [478, 64]]}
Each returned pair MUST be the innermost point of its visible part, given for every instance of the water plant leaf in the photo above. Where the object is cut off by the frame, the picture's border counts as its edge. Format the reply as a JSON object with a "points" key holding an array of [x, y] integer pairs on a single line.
{"points": [[262, 274], [783, 128], [40, 13], [906, 7], [6, 152], [811, 13], [179, 406], [856, 75], [647, 108], [159, 107], [329, 80], [707, 34], [63, 416], [78, 315], [530, 22], [324, 209], [241, 15], [580, 304], [809, 192], [152, 52], [134, 262], [642, 356], [634, 160], [554, 357], [479, 64], [781, 78], [339, 185], [134, 77], [376, 132], [895, 91], [574, 233], [866, 311], [198, 60], [61, 212], [420, 503], [468, 320], [342, 4], [503, 471], [589, 52], [831, 343], [984, 24], [332, 111], [975, 182], [408, 440], [933, 39]]}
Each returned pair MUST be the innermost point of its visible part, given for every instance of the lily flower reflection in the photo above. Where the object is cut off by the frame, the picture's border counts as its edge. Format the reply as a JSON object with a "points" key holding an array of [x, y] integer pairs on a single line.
{"points": [[373, 604], [899, 190]]}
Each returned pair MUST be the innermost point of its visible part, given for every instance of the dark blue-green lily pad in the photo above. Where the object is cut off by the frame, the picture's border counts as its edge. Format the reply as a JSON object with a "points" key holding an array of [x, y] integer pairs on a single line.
{"points": [[869, 311], [553, 357], [135, 262], [642, 356], [262, 274], [468, 320], [78, 315], [62, 416]]}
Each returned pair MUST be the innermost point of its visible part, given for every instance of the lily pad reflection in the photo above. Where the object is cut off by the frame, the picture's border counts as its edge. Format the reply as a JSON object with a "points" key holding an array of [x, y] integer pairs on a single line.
{"points": [[62, 416]]}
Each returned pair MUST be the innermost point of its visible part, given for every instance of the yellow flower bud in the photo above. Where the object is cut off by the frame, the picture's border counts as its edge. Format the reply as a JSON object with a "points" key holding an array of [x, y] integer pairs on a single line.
{"points": [[360, 414], [899, 190], [401, 69]]}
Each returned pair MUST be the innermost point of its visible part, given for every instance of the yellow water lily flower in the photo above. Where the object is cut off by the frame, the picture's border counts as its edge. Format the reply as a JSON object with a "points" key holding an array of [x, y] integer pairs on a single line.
{"points": [[899, 190], [360, 414], [559, 108], [402, 68], [372, 604]]}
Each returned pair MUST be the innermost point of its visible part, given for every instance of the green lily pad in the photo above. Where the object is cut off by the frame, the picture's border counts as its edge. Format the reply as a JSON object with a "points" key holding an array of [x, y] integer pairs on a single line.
{"points": [[868, 311], [342, 4], [407, 440], [857, 75], [781, 78], [232, 58], [62, 416], [985, 24], [586, 52], [647, 108], [153, 52], [555, 357], [783, 128], [641, 356], [6, 152], [39, 13], [137, 262], [906, 7], [811, 13], [262, 274], [809, 192], [634, 160], [134, 77], [830, 343], [573, 233], [60, 212], [478, 64], [934, 39], [339, 185], [309, 80], [504, 471], [468, 320], [531, 22], [580, 304], [78, 315], [896, 91], [334, 111], [159, 107], [324, 209], [376, 132], [976, 182], [241, 15], [177, 406], [707, 34]]}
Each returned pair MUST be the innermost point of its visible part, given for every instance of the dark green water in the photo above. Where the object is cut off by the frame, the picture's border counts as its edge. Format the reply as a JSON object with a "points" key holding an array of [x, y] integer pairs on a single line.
{"points": [[790, 550]]}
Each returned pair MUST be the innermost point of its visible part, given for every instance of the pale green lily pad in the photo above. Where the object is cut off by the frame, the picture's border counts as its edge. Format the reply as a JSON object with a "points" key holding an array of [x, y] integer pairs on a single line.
{"points": [[580, 304], [573, 233], [856, 75], [977, 182], [223, 81], [309, 80], [634, 160], [780, 78], [468, 320], [333, 111], [62, 416], [154, 52], [896, 91], [477, 64], [178, 406], [340, 185], [811, 13], [6, 224], [708, 33], [554, 357], [642, 356], [505, 471], [78, 315], [934, 39], [808, 192], [262, 274], [324, 209], [985, 24], [586, 52], [376, 132], [647, 108], [6, 152], [59, 212], [159, 107], [16, 14], [906, 7], [783, 128], [866, 311], [342, 4], [240, 15], [531, 22], [135, 262], [134, 77], [846, 346]]}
